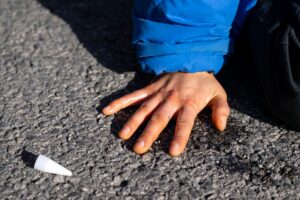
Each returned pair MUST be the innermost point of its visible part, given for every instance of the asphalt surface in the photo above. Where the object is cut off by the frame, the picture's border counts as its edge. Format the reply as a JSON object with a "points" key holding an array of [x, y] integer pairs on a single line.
{"points": [[61, 61]]}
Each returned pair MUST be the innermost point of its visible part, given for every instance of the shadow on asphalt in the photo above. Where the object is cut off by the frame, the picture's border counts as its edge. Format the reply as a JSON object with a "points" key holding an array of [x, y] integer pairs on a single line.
{"points": [[104, 29], [102, 26]]}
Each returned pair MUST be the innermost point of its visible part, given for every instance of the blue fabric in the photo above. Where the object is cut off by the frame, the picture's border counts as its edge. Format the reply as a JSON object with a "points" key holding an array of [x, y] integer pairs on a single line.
{"points": [[186, 35]]}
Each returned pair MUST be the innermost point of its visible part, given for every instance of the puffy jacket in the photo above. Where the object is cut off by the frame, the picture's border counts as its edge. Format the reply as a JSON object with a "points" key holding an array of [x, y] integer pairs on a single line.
{"points": [[186, 35]]}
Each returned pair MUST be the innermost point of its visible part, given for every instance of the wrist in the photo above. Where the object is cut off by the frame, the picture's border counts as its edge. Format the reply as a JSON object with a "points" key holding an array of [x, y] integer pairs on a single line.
{"points": [[206, 73]]}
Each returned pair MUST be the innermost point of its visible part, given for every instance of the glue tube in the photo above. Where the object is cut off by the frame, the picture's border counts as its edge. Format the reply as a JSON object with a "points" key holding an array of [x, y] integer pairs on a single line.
{"points": [[44, 164]]}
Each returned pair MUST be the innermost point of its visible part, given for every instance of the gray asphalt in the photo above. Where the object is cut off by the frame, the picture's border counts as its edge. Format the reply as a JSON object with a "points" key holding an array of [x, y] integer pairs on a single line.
{"points": [[61, 61]]}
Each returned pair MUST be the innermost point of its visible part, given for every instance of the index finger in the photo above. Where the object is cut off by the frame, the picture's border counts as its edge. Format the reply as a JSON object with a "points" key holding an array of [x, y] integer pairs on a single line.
{"points": [[128, 100]]}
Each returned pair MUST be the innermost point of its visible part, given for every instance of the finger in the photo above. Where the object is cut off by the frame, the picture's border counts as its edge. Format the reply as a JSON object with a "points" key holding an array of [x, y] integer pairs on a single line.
{"points": [[184, 126], [140, 116], [220, 112], [128, 100], [157, 124]]}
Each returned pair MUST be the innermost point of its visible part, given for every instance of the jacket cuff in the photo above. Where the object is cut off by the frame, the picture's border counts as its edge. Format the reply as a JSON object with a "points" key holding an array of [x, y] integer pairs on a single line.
{"points": [[199, 49], [184, 62]]}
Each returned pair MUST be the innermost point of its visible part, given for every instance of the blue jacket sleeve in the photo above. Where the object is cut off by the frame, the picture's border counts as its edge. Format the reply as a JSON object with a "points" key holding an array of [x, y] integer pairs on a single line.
{"points": [[180, 35]]}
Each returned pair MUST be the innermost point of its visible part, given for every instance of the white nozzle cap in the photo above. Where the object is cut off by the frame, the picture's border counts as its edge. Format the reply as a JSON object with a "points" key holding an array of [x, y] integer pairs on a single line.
{"points": [[45, 164]]}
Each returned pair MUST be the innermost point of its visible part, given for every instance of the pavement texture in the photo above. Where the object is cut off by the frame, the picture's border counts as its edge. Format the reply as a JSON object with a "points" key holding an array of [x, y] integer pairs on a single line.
{"points": [[61, 61]]}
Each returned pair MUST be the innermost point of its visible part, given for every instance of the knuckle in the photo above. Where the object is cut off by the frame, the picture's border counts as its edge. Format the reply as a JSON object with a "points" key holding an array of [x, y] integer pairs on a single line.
{"points": [[145, 107], [148, 135], [179, 137], [159, 118], [224, 110], [173, 93], [192, 104], [183, 123], [173, 96], [134, 120], [150, 87], [162, 92], [222, 113], [224, 94]]}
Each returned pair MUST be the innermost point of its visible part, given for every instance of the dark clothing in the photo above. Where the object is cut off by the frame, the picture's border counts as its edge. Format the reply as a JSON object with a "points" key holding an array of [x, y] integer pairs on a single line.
{"points": [[274, 33]]}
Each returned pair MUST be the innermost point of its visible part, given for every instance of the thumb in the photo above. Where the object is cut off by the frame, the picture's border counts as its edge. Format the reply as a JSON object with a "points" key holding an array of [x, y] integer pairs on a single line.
{"points": [[220, 111]]}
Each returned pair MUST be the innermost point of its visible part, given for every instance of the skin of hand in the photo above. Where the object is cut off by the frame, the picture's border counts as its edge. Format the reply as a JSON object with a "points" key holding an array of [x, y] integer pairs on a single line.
{"points": [[180, 95]]}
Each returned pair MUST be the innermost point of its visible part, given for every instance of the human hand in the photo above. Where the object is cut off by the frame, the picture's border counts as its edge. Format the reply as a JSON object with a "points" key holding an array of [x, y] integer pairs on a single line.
{"points": [[178, 94]]}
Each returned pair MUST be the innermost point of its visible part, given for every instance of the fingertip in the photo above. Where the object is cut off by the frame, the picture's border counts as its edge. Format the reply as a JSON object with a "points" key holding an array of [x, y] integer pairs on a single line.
{"points": [[107, 110], [174, 149], [175, 154], [220, 114], [221, 123], [124, 133], [139, 147]]}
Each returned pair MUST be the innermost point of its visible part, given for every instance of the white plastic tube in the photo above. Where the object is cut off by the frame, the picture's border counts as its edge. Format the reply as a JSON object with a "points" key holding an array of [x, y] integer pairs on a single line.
{"points": [[47, 165]]}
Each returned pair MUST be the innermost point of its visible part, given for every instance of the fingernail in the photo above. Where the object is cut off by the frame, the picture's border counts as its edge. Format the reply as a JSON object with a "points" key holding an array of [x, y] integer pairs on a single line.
{"points": [[174, 148], [125, 131], [223, 122], [140, 144]]}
